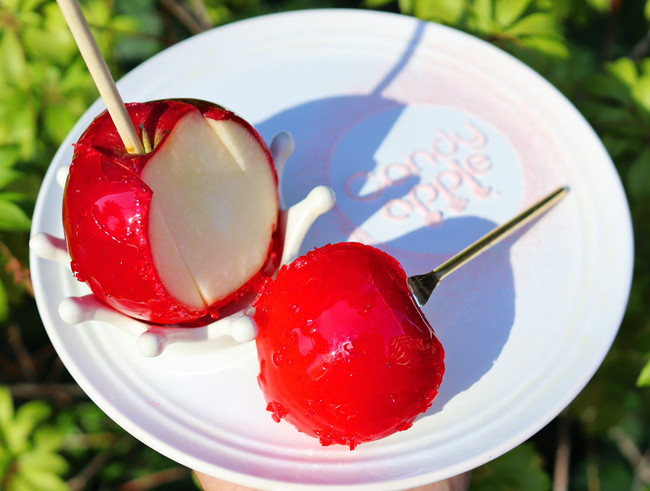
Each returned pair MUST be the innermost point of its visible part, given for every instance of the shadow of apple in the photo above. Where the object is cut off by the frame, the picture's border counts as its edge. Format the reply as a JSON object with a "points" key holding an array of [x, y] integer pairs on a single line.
{"points": [[472, 311]]}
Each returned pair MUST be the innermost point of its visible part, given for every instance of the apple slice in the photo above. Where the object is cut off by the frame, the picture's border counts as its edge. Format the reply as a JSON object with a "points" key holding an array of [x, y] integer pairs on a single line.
{"points": [[175, 234], [346, 355]]}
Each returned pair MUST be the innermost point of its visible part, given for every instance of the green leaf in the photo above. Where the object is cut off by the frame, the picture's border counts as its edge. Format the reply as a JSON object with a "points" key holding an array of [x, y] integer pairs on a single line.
{"points": [[18, 119], [11, 5], [638, 176], [31, 5], [406, 6], [641, 92], [608, 114], [30, 414], [16, 439], [644, 376], [608, 86], [508, 11], [644, 66], [447, 11], [43, 461], [98, 12], [6, 459], [624, 70], [539, 23], [59, 120], [600, 5], [373, 4], [4, 303], [548, 46], [114, 470], [91, 418], [27, 417], [127, 24], [6, 407], [630, 132], [14, 197], [48, 438], [646, 10], [76, 79], [20, 482], [9, 155], [13, 218], [12, 59], [7, 176], [52, 45], [37, 480], [483, 21]]}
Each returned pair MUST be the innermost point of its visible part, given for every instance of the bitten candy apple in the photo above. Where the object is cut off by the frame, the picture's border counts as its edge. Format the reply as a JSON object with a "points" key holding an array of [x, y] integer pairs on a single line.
{"points": [[172, 235], [346, 355]]}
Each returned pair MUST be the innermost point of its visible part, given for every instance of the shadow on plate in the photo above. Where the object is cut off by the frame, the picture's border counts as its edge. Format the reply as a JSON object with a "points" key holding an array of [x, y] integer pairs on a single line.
{"points": [[472, 311]]}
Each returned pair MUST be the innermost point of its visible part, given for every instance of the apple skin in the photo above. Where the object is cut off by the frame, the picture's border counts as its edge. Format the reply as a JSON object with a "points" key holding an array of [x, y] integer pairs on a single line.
{"points": [[106, 216], [346, 355]]}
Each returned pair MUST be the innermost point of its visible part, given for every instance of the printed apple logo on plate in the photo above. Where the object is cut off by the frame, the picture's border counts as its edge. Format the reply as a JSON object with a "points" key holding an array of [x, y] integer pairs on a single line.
{"points": [[172, 235]]}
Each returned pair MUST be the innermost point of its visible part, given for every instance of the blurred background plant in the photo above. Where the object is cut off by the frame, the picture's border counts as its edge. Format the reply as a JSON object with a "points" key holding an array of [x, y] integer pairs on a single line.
{"points": [[597, 52]]}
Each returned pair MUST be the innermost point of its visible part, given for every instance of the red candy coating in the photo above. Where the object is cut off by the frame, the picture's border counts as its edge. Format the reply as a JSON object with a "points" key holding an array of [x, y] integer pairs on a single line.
{"points": [[106, 215], [345, 353]]}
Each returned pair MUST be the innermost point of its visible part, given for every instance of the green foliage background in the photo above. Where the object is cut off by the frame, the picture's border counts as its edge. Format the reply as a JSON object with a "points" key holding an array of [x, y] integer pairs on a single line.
{"points": [[597, 52]]}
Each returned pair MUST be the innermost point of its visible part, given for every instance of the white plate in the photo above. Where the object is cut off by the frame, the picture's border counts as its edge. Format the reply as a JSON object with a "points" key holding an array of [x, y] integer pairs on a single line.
{"points": [[430, 138]]}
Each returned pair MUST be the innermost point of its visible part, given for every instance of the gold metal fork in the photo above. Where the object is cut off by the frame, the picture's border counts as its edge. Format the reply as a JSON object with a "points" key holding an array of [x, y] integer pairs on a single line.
{"points": [[422, 285]]}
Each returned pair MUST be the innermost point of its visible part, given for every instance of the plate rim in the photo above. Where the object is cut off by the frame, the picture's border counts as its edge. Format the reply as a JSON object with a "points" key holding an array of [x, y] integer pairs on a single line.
{"points": [[256, 481]]}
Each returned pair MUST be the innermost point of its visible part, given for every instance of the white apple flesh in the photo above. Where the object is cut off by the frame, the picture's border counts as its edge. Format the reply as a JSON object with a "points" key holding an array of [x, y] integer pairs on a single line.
{"points": [[208, 224], [213, 198]]}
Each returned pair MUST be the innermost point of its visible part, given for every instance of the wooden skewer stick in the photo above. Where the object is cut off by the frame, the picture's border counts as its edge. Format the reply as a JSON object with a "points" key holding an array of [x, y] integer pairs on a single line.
{"points": [[101, 75]]}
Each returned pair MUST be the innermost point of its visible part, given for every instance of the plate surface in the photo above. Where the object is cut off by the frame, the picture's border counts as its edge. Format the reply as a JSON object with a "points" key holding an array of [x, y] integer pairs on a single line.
{"points": [[430, 138]]}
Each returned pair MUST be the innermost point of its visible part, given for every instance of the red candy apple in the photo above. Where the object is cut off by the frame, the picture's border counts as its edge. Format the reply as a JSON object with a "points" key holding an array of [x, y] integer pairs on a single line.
{"points": [[346, 355], [172, 235]]}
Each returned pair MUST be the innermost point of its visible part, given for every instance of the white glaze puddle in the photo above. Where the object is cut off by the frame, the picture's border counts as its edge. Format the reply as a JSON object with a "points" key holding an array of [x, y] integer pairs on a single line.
{"points": [[238, 325]]}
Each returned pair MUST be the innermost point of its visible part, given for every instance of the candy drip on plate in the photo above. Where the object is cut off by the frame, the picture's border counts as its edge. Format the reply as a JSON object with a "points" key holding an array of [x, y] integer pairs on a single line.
{"points": [[293, 225]]}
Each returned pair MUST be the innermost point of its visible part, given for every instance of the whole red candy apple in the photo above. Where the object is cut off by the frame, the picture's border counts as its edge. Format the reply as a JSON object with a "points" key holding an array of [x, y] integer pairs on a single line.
{"points": [[346, 355], [172, 235]]}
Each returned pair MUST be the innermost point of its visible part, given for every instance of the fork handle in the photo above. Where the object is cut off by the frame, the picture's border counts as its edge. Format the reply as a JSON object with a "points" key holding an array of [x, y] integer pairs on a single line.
{"points": [[424, 284]]}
